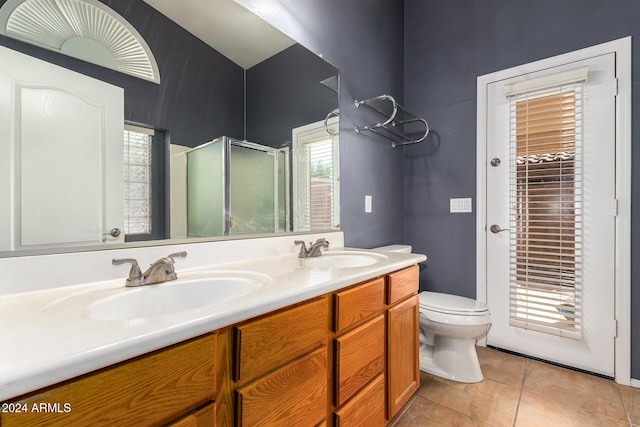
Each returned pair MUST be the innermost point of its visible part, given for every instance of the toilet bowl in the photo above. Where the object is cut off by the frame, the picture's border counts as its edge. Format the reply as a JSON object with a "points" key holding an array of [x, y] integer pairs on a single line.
{"points": [[450, 325]]}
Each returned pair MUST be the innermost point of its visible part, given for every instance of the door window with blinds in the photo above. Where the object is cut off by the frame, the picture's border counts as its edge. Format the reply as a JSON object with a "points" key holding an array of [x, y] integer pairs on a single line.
{"points": [[316, 177], [137, 179], [545, 199]]}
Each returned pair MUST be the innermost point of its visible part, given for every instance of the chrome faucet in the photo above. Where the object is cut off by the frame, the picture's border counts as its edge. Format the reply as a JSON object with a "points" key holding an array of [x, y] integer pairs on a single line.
{"points": [[314, 248], [160, 271]]}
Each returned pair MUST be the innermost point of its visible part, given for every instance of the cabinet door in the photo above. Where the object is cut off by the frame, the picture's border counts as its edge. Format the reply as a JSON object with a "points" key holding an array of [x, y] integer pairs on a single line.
{"points": [[403, 374], [359, 358], [366, 408], [293, 395]]}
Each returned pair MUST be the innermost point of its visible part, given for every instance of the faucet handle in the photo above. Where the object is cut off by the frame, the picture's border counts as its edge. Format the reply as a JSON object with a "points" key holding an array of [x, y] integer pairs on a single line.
{"points": [[135, 275], [182, 254], [170, 272]]}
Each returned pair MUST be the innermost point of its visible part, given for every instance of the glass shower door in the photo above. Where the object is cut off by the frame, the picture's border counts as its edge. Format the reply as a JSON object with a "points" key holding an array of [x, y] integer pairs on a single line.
{"points": [[253, 189], [205, 190]]}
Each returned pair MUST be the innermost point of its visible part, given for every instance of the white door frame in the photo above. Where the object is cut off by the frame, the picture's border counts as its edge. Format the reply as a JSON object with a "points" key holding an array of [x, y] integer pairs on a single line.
{"points": [[622, 287]]}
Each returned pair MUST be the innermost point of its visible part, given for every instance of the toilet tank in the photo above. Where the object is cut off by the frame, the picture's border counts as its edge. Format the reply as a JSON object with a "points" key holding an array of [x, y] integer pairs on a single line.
{"points": [[394, 248]]}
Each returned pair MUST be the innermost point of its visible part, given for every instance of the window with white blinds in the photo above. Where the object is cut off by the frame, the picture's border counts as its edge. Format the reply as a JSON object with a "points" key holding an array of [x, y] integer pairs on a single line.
{"points": [[137, 180], [546, 209], [316, 179]]}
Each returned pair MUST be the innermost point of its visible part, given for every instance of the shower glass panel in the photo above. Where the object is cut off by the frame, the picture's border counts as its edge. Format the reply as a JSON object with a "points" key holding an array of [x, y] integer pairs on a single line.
{"points": [[252, 190], [205, 190], [237, 187]]}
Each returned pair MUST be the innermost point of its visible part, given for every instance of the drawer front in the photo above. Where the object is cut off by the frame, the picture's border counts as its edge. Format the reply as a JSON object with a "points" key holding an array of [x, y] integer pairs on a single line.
{"points": [[275, 339], [148, 390], [359, 358], [402, 283], [203, 417], [366, 408], [357, 304], [293, 395]]}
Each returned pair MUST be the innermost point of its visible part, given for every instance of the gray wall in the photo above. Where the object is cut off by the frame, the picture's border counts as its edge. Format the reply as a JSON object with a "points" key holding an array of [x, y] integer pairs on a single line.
{"points": [[447, 45], [364, 39]]}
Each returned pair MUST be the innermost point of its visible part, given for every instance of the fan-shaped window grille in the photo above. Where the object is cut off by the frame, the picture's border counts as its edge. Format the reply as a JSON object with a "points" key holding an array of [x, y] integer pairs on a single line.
{"points": [[85, 29]]}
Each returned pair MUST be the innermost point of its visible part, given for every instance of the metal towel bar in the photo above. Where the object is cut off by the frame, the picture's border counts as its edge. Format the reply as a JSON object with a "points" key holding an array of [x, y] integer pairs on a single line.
{"points": [[395, 115]]}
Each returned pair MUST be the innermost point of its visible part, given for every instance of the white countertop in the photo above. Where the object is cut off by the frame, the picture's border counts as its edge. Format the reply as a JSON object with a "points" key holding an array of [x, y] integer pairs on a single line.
{"points": [[46, 335]]}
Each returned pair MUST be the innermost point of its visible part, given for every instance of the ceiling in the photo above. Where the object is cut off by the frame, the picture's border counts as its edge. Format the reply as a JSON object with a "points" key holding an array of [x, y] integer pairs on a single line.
{"points": [[226, 26]]}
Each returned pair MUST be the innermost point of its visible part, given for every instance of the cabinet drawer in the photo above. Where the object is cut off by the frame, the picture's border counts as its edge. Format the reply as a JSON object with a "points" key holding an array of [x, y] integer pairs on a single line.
{"points": [[203, 417], [402, 283], [366, 408], [275, 339], [148, 390], [359, 358], [357, 304], [293, 395]]}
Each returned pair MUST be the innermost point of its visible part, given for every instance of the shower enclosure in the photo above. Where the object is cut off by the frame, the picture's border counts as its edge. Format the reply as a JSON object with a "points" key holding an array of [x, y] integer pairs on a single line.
{"points": [[237, 187]]}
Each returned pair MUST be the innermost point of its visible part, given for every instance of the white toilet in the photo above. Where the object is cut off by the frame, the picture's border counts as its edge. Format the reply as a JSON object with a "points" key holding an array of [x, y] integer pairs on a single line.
{"points": [[450, 325]]}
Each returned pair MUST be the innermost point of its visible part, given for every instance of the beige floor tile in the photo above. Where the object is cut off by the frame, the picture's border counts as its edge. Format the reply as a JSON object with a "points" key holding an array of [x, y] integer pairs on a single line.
{"points": [[425, 413], [502, 367], [575, 389], [488, 401], [535, 411], [631, 398]]}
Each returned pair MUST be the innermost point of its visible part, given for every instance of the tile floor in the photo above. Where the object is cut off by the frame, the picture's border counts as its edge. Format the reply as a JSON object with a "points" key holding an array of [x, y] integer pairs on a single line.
{"points": [[520, 392]]}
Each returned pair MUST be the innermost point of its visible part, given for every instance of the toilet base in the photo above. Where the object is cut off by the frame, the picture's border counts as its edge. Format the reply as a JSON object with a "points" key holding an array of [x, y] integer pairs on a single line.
{"points": [[456, 359]]}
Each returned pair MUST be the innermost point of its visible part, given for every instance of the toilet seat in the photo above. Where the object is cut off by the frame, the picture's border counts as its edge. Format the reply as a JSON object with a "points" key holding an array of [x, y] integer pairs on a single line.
{"points": [[452, 304]]}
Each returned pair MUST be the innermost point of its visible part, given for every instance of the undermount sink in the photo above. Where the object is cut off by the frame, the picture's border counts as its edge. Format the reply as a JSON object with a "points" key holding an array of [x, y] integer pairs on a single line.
{"points": [[195, 290], [342, 259]]}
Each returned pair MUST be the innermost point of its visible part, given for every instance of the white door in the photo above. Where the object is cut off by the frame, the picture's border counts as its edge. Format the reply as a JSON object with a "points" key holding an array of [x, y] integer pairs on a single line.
{"points": [[564, 310], [61, 156]]}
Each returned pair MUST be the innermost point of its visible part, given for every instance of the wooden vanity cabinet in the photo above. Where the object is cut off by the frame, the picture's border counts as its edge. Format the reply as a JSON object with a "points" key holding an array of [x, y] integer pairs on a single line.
{"points": [[152, 389], [346, 358], [403, 311]]}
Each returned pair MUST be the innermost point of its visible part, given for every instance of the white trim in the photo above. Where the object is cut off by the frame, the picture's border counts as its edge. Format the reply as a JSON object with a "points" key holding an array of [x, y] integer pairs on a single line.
{"points": [[622, 49]]}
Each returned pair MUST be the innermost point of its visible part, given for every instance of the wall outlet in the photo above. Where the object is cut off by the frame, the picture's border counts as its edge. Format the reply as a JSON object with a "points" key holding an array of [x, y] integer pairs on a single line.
{"points": [[367, 204], [460, 205]]}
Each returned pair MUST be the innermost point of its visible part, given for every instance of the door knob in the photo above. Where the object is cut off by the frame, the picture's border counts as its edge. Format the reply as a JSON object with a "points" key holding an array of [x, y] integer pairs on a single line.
{"points": [[495, 229], [115, 232], [495, 162]]}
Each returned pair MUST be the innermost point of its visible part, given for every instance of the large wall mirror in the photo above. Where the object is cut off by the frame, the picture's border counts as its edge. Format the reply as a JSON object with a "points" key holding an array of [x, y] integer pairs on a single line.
{"points": [[232, 133]]}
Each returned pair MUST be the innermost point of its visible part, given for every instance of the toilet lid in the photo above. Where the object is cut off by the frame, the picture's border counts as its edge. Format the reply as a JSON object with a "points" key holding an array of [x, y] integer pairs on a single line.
{"points": [[453, 304]]}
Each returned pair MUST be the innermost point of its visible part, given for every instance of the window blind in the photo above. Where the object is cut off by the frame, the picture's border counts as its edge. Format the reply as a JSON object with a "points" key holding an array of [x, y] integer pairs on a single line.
{"points": [[137, 180], [546, 201]]}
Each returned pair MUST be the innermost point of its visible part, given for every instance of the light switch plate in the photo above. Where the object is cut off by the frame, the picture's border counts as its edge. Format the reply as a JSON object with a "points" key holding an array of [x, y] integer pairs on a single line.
{"points": [[460, 205], [367, 203]]}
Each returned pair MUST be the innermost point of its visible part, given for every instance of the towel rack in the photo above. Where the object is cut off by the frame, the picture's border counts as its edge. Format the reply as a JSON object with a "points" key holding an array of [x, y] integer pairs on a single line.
{"points": [[395, 115]]}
